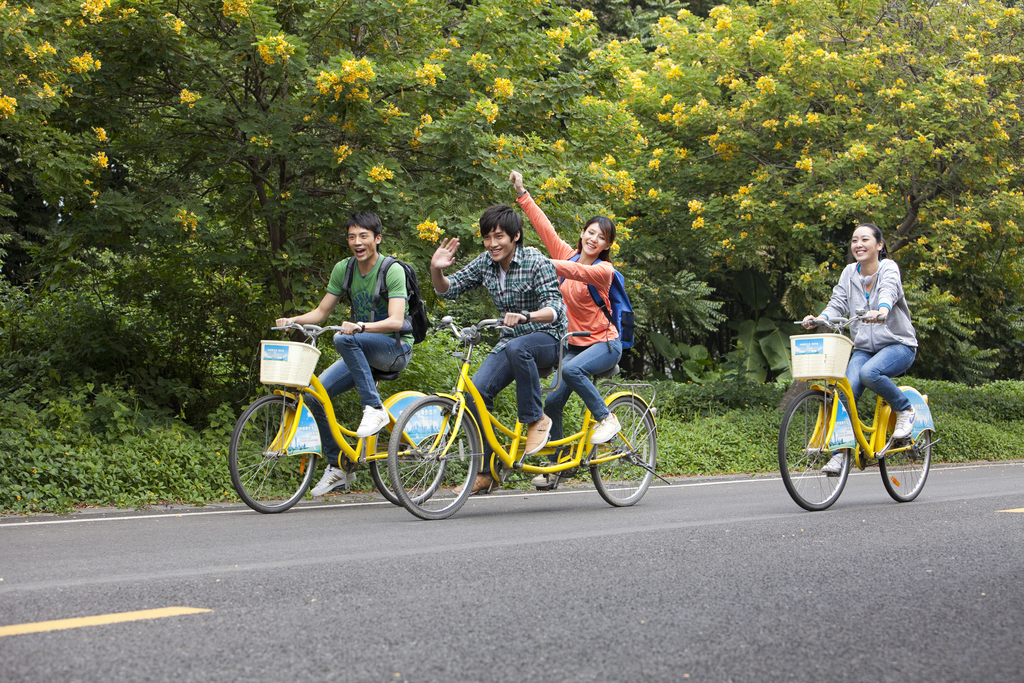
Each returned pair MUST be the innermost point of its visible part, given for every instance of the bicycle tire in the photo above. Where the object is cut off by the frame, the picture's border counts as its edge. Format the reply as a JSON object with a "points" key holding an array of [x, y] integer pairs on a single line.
{"points": [[624, 481], [379, 472], [423, 475], [905, 473], [800, 461], [266, 479]]}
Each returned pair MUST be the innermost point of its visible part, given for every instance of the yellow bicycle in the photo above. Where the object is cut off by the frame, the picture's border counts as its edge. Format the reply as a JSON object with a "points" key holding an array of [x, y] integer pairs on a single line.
{"points": [[273, 450], [436, 444], [823, 421]]}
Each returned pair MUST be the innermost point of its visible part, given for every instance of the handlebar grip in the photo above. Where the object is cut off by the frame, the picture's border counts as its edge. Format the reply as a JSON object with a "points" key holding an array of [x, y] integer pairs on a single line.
{"points": [[579, 334]]}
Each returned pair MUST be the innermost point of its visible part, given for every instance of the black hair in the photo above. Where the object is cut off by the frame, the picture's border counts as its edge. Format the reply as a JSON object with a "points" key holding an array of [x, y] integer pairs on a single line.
{"points": [[607, 229], [368, 220], [877, 232], [504, 217]]}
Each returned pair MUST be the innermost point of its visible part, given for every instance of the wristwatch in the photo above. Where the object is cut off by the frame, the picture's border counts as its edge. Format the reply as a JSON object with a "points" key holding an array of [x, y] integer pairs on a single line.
{"points": [[362, 326], [520, 194], [526, 314]]}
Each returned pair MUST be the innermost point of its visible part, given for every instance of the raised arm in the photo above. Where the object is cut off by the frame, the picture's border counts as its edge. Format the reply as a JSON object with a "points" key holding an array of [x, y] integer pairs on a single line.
{"points": [[556, 246]]}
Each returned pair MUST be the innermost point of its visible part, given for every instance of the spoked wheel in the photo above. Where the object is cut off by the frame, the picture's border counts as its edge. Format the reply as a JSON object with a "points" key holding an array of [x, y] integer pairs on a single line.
{"points": [[623, 480], [905, 472], [265, 475], [803, 452], [428, 458]]}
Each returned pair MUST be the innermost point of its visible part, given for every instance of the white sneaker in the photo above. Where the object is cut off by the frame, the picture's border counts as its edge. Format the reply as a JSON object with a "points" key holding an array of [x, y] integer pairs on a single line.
{"points": [[835, 465], [606, 429], [904, 423], [334, 478], [374, 420]]}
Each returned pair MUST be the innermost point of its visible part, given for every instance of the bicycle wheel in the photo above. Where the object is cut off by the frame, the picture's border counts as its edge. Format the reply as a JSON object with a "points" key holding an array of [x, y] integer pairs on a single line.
{"points": [[266, 477], [624, 481], [904, 473], [428, 459], [379, 472], [802, 453]]}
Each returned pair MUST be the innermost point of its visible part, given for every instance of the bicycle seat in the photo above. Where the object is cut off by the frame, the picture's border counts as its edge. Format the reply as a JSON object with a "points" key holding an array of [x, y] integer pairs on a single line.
{"points": [[381, 376], [607, 373], [546, 372]]}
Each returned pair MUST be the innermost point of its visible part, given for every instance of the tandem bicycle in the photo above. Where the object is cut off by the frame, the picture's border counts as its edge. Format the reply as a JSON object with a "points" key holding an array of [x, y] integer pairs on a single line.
{"points": [[436, 444]]}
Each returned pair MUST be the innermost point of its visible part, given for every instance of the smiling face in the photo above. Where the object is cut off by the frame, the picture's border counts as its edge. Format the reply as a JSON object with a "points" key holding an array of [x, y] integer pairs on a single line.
{"points": [[500, 246], [593, 240], [865, 246], [363, 243]]}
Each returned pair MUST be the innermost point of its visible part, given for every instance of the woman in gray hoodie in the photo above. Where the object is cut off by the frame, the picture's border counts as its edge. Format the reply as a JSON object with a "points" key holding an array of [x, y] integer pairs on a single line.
{"points": [[886, 345]]}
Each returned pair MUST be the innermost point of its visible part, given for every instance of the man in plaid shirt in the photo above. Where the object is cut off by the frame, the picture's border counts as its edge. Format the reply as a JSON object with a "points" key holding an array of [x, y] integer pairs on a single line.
{"points": [[523, 285]]}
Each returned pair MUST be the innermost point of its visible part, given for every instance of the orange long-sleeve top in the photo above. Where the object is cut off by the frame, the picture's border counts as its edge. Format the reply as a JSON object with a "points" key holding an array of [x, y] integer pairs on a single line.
{"points": [[583, 313]]}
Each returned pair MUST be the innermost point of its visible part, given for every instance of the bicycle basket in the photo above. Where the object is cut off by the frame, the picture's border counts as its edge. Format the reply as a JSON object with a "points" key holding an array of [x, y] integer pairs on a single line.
{"points": [[820, 356], [287, 363]]}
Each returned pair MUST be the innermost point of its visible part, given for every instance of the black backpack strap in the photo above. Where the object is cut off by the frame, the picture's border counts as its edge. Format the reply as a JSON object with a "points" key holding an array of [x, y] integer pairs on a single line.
{"points": [[382, 286], [346, 283]]}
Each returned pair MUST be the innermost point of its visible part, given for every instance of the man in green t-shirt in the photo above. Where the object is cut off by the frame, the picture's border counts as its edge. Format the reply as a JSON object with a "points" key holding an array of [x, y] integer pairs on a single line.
{"points": [[367, 341]]}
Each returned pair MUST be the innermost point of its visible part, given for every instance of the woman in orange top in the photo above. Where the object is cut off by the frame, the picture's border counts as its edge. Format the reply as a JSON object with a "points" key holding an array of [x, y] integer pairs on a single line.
{"points": [[586, 355]]}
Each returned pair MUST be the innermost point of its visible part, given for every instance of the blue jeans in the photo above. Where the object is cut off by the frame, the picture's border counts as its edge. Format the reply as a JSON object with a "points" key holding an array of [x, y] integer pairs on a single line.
{"points": [[517, 362], [873, 370], [359, 352], [577, 367]]}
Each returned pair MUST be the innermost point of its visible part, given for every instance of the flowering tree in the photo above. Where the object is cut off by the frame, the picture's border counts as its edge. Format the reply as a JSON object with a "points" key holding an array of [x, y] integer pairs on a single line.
{"points": [[774, 129]]}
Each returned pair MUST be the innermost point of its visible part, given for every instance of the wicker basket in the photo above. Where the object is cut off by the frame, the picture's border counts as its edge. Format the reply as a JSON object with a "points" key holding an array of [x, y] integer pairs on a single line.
{"points": [[287, 363], [820, 356]]}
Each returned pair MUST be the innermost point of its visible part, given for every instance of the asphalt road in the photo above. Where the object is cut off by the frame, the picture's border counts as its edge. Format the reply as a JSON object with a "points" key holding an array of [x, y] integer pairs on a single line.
{"points": [[718, 579]]}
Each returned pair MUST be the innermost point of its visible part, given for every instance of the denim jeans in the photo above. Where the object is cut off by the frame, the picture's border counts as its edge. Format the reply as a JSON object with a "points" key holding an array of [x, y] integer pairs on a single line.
{"points": [[519, 362], [359, 352], [577, 367], [873, 370]]}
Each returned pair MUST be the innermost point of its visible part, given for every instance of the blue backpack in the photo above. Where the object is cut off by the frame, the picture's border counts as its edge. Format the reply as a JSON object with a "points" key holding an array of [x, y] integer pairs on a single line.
{"points": [[621, 314]]}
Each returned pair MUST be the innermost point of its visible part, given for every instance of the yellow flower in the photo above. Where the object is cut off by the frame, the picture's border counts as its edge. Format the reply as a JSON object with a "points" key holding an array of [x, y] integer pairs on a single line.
{"points": [[189, 221], [8, 105], [342, 152], [766, 85], [380, 174], [84, 63], [502, 87], [479, 61], [100, 159], [101, 134], [698, 222], [236, 9], [696, 206], [429, 231], [429, 73], [806, 163], [189, 98], [272, 47], [488, 109]]}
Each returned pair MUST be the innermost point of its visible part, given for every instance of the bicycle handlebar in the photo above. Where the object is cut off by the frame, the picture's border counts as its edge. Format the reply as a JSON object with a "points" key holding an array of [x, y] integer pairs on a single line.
{"points": [[311, 331]]}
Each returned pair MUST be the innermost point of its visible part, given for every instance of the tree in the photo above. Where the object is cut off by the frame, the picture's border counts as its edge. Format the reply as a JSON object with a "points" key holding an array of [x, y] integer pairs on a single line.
{"points": [[780, 126]]}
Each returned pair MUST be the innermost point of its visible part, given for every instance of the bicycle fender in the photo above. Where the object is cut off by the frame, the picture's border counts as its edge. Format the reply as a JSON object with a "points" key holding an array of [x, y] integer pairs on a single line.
{"points": [[397, 403], [842, 433], [304, 433], [924, 420], [637, 397]]}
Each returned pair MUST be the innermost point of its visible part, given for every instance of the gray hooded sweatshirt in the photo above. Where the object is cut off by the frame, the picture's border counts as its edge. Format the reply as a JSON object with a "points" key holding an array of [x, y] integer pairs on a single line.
{"points": [[887, 291]]}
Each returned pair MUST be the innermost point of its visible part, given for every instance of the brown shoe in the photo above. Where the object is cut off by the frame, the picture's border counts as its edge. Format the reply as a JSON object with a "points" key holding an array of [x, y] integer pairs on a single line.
{"points": [[482, 484], [537, 435]]}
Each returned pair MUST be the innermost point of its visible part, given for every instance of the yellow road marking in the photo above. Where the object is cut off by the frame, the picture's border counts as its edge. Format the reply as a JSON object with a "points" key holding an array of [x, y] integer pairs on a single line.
{"points": [[98, 620], [1015, 510]]}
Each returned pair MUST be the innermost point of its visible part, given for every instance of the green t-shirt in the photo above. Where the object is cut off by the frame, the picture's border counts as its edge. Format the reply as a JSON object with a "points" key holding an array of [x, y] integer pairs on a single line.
{"points": [[362, 291]]}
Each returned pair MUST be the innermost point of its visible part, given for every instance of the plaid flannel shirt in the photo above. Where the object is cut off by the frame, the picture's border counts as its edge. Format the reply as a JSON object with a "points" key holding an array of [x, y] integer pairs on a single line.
{"points": [[530, 285]]}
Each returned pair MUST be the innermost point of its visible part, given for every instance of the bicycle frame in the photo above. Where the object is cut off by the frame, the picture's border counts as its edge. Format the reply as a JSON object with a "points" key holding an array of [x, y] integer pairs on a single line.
{"points": [[366, 448], [875, 446]]}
